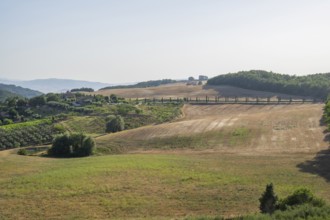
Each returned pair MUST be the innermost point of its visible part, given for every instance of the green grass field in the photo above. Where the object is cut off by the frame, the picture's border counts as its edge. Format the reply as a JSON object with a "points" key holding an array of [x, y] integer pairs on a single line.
{"points": [[147, 186]]}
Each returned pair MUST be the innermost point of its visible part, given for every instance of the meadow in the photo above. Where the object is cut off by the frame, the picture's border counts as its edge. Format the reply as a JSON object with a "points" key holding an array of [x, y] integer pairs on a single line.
{"points": [[152, 186], [173, 162]]}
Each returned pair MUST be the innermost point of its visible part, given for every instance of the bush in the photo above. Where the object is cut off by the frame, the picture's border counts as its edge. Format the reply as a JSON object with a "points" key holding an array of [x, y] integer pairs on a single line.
{"points": [[300, 197], [62, 146], [82, 145], [72, 145], [22, 152], [268, 200], [115, 124], [7, 121]]}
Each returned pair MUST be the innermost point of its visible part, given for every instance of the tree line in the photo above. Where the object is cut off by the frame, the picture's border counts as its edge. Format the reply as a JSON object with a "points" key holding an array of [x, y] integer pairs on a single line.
{"points": [[315, 85], [145, 84]]}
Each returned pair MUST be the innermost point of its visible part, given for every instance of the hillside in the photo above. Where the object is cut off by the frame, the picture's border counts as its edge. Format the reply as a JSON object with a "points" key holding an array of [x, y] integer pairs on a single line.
{"points": [[12, 90], [214, 161], [316, 85], [232, 128], [181, 90], [56, 85], [5, 94]]}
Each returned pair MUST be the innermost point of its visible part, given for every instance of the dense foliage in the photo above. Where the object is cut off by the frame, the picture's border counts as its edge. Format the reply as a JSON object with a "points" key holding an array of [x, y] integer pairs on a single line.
{"points": [[300, 197], [316, 85], [72, 145], [6, 94], [269, 202], [150, 83], [326, 113], [83, 89], [115, 124]]}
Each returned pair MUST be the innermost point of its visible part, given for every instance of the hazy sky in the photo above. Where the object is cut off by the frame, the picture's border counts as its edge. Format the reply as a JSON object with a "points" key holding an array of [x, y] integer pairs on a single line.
{"points": [[127, 41]]}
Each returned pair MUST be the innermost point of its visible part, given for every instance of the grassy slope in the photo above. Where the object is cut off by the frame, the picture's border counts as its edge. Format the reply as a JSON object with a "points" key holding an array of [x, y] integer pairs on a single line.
{"points": [[231, 128], [150, 114], [184, 91], [146, 186], [166, 184]]}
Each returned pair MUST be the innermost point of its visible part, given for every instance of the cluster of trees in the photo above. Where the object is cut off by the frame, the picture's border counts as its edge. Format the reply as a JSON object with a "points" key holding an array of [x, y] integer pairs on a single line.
{"points": [[83, 89], [17, 109], [326, 113], [316, 85], [115, 124], [151, 83], [72, 145], [269, 202]]}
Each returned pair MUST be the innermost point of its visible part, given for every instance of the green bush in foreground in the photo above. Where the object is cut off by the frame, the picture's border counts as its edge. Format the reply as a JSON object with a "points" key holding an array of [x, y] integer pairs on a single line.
{"points": [[72, 145], [300, 197]]}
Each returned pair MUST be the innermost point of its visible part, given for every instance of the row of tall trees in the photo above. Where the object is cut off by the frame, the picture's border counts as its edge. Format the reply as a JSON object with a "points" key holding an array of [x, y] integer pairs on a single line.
{"points": [[316, 85]]}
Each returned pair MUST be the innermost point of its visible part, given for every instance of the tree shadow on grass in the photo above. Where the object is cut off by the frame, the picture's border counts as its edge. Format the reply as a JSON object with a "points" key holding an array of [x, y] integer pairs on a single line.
{"points": [[319, 165]]}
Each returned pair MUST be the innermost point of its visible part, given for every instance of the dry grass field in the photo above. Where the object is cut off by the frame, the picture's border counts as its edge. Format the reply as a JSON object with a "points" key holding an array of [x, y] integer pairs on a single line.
{"points": [[181, 90], [244, 129], [214, 160]]}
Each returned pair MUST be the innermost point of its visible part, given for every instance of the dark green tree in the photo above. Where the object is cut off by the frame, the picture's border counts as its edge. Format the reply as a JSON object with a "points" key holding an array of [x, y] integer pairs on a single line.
{"points": [[13, 114], [37, 101], [115, 124], [62, 146], [268, 200], [113, 98], [72, 145], [82, 145]]}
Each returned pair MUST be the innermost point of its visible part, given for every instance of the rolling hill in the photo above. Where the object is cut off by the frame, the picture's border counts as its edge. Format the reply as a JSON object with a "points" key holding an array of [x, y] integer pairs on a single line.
{"points": [[181, 90], [56, 85], [314, 85], [265, 129], [12, 90]]}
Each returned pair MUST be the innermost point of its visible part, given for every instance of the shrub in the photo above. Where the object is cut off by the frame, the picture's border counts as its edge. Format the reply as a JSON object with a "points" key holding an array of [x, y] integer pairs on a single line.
{"points": [[72, 145], [268, 200], [7, 121], [22, 152], [300, 197], [82, 145], [115, 124], [62, 146]]}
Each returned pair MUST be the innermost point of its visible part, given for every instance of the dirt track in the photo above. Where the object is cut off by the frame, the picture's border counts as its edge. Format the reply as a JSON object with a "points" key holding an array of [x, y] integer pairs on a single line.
{"points": [[274, 128]]}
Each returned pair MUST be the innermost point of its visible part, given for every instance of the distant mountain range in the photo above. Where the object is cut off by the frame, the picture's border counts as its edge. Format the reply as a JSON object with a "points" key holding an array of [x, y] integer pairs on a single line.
{"points": [[55, 85], [7, 91]]}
